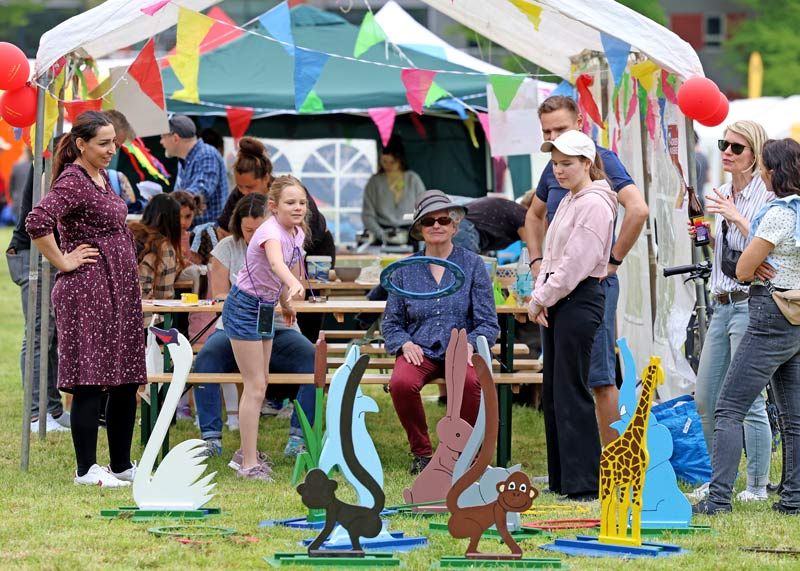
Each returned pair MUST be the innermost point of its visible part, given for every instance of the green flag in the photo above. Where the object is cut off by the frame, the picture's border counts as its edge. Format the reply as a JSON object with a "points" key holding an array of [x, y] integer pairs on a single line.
{"points": [[369, 34], [312, 104], [505, 88], [435, 93]]}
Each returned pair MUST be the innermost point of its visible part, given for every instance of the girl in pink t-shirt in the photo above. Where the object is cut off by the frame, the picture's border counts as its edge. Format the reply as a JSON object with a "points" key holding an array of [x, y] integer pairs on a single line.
{"points": [[270, 274]]}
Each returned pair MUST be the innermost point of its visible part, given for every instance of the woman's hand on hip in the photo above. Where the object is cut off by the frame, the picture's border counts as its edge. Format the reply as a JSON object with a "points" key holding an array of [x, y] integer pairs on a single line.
{"points": [[83, 254], [412, 353]]}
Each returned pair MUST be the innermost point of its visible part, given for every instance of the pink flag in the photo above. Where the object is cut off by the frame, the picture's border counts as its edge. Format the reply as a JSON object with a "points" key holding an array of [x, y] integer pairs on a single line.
{"points": [[383, 117], [484, 119], [632, 104], [417, 82], [650, 119], [154, 7]]}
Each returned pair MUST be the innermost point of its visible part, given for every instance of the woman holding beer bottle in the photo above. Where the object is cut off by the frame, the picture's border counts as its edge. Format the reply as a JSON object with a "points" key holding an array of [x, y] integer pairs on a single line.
{"points": [[733, 205]]}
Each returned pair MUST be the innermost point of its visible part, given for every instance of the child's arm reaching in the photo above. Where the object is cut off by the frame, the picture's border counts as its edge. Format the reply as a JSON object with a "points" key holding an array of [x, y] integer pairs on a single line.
{"points": [[275, 257]]}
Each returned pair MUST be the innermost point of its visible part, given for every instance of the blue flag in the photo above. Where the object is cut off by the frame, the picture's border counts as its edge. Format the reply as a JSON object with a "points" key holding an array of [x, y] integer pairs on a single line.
{"points": [[452, 105], [278, 23], [617, 55], [565, 88], [307, 69]]}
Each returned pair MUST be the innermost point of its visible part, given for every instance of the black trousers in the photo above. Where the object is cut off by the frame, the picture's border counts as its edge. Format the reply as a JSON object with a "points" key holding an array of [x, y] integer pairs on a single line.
{"points": [[573, 440]]}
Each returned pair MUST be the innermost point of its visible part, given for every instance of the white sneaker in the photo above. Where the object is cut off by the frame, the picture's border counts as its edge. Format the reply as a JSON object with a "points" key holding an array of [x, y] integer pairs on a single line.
{"points": [[64, 420], [233, 422], [750, 496], [126, 476], [52, 425], [97, 476], [700, 493]]}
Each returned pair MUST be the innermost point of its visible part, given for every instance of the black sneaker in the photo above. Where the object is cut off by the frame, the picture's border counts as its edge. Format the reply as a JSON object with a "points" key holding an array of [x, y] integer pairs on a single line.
{"points": [[418, 464], [708, 507], [788, 510]]}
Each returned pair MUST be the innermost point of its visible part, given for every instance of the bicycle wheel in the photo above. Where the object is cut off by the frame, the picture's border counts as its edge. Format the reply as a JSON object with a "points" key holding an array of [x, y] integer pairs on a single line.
{"points": [[776, 467]]}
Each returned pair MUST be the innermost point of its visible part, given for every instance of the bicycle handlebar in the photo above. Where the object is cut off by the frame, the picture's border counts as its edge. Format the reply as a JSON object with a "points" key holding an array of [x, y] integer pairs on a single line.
{"points": [[701, 267]]}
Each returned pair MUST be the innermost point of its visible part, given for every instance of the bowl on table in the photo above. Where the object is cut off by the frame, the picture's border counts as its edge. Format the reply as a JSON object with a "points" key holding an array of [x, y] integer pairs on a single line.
{"points": [[347, 274]]}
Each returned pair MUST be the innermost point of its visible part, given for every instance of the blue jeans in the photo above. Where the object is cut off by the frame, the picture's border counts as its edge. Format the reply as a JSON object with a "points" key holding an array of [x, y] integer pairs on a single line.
{"points": [[770, 348], [291, 353], [724, 335], [603, 366]]}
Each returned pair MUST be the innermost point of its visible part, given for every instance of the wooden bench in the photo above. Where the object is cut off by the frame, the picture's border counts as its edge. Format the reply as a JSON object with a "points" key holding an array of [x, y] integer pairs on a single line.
{"points": [[388, 363]]}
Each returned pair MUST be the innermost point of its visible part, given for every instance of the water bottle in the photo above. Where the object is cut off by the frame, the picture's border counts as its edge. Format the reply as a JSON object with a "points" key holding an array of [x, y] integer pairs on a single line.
{"points": [[523, 288]]}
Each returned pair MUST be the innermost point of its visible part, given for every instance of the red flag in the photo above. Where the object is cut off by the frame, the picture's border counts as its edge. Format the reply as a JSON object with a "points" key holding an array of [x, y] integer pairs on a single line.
{"points": [[238, 120], [75, 108], [585, 99], [418, 126], [144, 70], [417, 83]]}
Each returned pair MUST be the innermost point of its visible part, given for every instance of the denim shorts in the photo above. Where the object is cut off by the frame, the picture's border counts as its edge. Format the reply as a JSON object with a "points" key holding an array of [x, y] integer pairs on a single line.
{"points": [[240, 316]]}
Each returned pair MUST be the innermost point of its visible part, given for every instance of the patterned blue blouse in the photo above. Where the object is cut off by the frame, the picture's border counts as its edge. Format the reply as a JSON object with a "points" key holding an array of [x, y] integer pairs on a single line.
{"points": [[428, 323]]}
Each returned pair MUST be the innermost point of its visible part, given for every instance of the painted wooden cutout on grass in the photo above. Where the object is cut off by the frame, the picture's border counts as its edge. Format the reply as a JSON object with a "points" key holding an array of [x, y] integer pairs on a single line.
{"points": [[312, 435]]}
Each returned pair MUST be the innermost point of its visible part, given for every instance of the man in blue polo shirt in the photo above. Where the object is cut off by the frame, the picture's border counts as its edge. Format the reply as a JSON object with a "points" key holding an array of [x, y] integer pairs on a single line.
{"points": [[559, 114]]}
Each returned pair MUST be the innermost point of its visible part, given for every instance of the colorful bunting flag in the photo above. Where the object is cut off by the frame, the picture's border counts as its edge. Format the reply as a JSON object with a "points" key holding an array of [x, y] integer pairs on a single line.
{"points": [[307, 69], [369, 34], [238, 121], [140, 155], [668, 86], [586, 99], [192, 28], [278, 22], [505, 87], [144, 70], [531, 11], [662, 113], [650, 119], [383, 117], [565, 89], [617, 55], [642, 95], [452, 104], [469, 123], [417, 83], [645, 73], [484, 119], [75, 108], [632, 102], [154, 7], [435, 93], [312, 104]]}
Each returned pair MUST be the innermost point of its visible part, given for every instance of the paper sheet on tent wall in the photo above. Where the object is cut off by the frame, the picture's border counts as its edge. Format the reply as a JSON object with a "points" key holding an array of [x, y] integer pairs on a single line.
{"points": [[517, 130], [146, 118]]}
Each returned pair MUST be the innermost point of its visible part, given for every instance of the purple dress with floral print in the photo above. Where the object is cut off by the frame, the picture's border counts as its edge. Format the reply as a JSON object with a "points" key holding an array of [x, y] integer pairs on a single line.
{"points": [[98, 307]]}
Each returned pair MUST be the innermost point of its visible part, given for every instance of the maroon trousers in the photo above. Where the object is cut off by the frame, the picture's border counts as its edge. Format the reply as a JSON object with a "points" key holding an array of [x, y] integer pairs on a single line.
{"points": [[405, 385]]}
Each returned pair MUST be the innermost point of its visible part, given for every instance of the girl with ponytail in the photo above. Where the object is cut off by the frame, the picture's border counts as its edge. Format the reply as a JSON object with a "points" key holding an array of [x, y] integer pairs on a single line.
{"points": [[252, 172]]}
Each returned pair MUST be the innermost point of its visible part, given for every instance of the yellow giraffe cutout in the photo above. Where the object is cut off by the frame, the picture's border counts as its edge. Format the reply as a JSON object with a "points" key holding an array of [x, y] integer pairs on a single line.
{"points": [[623, 464]]}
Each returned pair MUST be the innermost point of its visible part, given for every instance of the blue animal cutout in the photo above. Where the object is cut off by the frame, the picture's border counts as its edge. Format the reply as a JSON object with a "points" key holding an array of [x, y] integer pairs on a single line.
{"points": [[664, 506]]}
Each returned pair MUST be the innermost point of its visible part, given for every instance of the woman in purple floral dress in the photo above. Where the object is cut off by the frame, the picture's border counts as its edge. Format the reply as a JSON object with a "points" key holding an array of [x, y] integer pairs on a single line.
{"points": [[96, 298]]}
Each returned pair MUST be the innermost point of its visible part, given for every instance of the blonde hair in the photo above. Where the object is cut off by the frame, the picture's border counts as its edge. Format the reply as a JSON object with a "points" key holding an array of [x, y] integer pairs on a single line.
{"points": [[276, 190], [756, 136]]}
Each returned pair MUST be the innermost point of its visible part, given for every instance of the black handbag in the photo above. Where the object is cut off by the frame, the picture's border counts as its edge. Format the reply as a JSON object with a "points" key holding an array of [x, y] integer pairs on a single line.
{"points": [[730, 257]]}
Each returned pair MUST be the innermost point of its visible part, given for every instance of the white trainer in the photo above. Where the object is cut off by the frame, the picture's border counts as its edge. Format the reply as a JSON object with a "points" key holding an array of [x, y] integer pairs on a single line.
{"points": [[97, 476], [750, 496], [700, 493], [126, 476], [52, 425]]}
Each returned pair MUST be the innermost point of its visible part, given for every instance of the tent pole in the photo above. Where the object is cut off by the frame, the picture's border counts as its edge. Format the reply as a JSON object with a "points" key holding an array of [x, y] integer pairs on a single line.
{"points": [[33, 292], [699, 285], [651, 250]]}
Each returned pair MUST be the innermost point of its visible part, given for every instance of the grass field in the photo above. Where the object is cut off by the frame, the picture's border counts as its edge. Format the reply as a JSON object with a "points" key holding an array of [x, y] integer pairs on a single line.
{"points": [[49, 523]]}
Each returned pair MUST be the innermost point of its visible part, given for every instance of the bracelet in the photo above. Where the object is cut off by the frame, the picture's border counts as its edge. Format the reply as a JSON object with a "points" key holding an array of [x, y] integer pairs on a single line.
{"points": [[613, 261], [533, 261]]}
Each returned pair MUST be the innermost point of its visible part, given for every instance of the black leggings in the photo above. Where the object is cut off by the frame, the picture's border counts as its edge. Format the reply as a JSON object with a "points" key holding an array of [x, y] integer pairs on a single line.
{"points": [[120, 421]]}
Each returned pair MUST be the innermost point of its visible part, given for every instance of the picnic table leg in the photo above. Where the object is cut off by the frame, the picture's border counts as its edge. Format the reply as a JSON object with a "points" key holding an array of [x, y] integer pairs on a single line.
{"points": [[507, 335]]}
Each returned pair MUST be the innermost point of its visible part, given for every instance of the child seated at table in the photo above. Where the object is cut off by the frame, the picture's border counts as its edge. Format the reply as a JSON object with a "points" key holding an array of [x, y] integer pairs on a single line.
{"points": [[158, 247]]}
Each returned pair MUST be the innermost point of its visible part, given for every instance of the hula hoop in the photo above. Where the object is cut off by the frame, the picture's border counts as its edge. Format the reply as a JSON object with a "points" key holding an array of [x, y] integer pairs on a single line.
{"points": [[192, 531], [557, 524], [388, 285]]}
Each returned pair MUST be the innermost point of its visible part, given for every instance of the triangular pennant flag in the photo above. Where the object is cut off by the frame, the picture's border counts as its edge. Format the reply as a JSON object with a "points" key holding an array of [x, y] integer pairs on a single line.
{"points": [[192, 28], [650, 119], [531, 11], [586, 99], [668, 87], [383, 117], [75, 108], [469, 123], [307, 69], [417, 83], [312, 104], [662, 113], [434, 94], [238, 120], [565, 88], [453, 105], [505, 87], [645, 73], [154, 7], [369, 34], [416, 120], [144, 70], [484, 119], [278, 22], [632, 102], [617, 55], [642, 95]]}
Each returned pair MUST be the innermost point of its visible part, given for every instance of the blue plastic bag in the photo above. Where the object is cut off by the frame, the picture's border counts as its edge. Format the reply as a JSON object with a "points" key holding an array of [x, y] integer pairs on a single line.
{"points": [[689, 456]]}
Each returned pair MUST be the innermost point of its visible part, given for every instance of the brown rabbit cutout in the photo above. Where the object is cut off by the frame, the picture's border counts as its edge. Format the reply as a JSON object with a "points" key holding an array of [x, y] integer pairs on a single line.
{"points": [[433, 482]]}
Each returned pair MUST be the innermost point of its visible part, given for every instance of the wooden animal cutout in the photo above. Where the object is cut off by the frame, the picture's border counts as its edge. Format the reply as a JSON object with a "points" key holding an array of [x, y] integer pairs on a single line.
{"points": [[319, 492], [515, 494], [623, 465], [453, 431]]}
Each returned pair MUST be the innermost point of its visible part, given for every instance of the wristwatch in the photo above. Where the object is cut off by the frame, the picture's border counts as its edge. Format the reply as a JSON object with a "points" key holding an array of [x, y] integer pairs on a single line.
{"points": [[613, 261]]}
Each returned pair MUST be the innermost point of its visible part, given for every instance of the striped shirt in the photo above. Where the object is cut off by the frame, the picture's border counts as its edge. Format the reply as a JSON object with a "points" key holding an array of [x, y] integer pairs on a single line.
{"points": [[748, 202]]}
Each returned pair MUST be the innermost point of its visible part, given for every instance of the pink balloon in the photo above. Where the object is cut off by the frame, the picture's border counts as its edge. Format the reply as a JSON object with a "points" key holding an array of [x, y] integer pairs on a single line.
{"points": [[719, 115], [698, 98]]}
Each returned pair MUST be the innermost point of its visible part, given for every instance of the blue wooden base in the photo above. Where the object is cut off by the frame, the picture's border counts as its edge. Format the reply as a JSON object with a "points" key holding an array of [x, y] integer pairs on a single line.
{"points": [[392, 540], [588, 546], [301, 522]]}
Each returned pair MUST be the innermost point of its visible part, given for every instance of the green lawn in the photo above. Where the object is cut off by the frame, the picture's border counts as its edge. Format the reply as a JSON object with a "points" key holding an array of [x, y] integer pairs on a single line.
{"points": [[49, 523]]}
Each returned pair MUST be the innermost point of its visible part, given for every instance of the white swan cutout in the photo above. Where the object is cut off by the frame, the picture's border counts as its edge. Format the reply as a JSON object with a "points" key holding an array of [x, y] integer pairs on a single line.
{"points": [[175, 484]]}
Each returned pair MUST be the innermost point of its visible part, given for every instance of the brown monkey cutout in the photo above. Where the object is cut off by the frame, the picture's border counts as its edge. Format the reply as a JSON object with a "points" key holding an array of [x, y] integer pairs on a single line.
{"points": [[516, 494]]}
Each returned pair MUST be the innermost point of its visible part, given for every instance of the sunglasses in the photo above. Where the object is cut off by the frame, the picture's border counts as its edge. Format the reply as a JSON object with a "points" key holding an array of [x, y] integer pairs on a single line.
{"points": [[442, 220], [736, 148]]}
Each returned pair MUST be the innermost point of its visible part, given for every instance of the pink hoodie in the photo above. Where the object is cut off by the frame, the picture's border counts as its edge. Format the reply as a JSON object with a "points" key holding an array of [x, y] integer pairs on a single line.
{"points": [[578, 242]]}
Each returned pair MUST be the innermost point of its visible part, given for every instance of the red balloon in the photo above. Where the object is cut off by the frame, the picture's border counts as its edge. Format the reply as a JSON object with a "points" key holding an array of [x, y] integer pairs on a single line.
{"points": [[18, 107], [14, 68], [698, 98], [719, 115]]}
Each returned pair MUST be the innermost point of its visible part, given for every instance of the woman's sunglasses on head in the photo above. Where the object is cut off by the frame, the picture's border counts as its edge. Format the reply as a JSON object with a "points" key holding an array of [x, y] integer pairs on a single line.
{"points": [[430, 221], [736, 148]]}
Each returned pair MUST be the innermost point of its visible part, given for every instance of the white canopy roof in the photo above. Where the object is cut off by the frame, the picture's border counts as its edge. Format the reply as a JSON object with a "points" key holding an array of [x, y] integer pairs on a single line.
{"points": [[569, 27], [113, 25]]}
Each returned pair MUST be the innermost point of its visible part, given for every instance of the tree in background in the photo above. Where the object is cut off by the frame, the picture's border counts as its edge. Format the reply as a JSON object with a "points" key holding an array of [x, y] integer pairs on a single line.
{"points": [[772, 30], [649, 8], [17, 13]]}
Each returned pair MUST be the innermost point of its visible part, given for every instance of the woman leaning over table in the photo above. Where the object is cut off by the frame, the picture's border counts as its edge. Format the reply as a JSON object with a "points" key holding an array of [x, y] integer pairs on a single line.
{"points": [[770, 347], [568, 302], [96, 298]]}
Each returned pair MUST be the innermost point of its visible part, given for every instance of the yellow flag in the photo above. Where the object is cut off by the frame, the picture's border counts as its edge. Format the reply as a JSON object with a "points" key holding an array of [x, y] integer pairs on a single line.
{"points": [[755, 76], [645, 73], [532, 11], [794, 132], [469, 123], [50, 113], [192, 28]]}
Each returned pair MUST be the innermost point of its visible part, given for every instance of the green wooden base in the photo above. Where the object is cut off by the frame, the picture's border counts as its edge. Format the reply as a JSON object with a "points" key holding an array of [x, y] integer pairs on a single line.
{"points": [[135, 514], [659, 531], [368, 560], [519, 535], [525, 563]]}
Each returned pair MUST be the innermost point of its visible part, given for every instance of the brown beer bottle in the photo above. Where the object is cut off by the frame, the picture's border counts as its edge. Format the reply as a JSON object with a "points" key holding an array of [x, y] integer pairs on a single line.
{"points": [[697, 218]]}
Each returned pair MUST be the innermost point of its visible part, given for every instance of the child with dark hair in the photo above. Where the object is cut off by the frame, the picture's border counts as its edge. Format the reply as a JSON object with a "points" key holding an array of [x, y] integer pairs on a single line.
{"points": [[158, 244]]}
